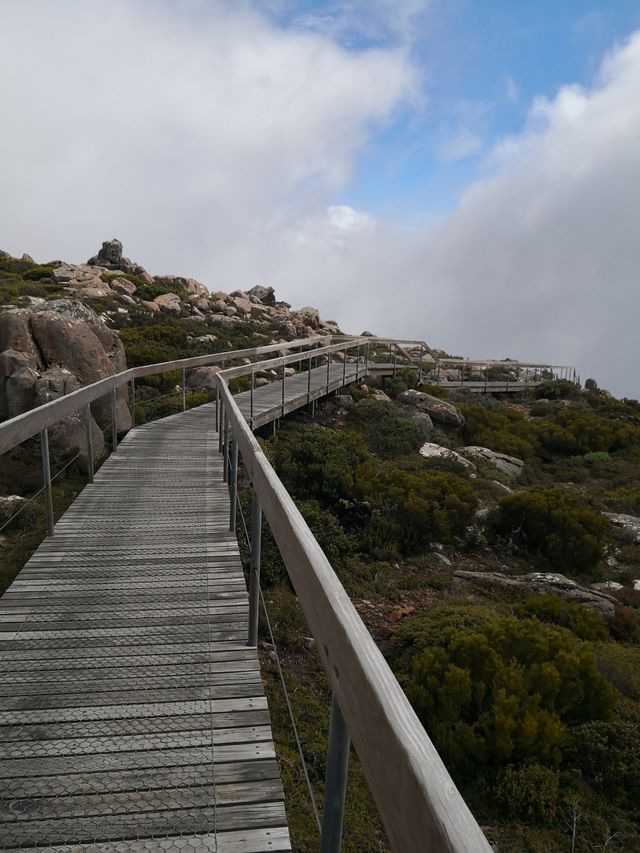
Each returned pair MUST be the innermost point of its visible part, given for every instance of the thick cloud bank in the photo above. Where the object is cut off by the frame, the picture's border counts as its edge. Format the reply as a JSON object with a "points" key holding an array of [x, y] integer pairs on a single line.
{"points": [[216, 144]]}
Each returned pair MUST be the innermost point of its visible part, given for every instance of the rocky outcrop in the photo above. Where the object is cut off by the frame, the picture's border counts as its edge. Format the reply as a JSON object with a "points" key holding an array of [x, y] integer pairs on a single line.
{"points": [[628, 523], [435, 451], [509, 465], [543, 583], [110, 257], [437, 409], [49, 350]]}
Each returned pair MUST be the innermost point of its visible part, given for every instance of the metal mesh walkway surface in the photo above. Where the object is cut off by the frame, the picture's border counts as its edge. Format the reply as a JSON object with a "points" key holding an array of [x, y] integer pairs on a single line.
{"points": [[132, 714]]}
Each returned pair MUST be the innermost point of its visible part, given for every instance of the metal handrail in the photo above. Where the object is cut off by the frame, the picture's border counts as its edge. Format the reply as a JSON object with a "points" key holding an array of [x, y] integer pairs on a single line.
{"points": [[418, 801]]}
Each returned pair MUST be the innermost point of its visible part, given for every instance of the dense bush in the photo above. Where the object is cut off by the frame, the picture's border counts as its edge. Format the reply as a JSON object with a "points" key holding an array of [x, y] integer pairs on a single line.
{"points": [[318, 463], [503, 693], [556, 389], [386, 431], [608, 758], [411, 510], [528, 793], [554, 524], [504, 431], [549, 608], [25, 278]]}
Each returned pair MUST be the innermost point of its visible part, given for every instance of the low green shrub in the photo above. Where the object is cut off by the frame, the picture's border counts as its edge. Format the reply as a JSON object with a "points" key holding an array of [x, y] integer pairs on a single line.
{"points": [[384, 430], [528, 793], [554, 524], [549, 608]]}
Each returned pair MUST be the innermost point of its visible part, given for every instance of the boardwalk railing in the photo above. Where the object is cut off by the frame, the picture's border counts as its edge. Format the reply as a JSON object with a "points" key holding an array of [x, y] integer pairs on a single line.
{"points": [[417, 799]]}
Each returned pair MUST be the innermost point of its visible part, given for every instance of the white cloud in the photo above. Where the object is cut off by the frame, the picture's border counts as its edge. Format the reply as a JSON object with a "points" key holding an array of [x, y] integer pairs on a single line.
{"points": [[192, 136], [214, 144]]}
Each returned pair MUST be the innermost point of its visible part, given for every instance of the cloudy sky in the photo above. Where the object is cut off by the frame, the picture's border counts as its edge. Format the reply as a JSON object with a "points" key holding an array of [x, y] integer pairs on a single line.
{"points": [[463, 171]]}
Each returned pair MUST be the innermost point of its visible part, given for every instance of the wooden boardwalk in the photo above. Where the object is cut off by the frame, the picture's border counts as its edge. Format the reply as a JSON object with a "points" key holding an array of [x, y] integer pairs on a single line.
{"points": [[270, 403], [132, 715]]}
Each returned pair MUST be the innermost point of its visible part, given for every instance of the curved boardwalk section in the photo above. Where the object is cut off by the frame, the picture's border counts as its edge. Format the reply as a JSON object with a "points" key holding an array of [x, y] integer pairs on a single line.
{"points": [[132, 715]]}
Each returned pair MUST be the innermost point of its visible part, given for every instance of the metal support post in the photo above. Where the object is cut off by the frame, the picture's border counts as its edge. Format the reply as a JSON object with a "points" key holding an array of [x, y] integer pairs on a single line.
{"points": [[357, 362], [283, 378], [395, 359], [133, 403], [254, 569], [114, 421], [421, 357], [335, 783], [233, 484], [328, 369], [46, 479], [253, 386], [221, 417], [217, 407], [309, 383], [184, 389], [87, 426], [344, 368], [366, 356], [225, 449]]}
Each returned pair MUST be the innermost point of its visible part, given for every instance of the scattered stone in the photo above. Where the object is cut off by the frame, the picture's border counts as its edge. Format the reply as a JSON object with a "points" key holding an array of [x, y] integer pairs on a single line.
{"points": [[509, 465], [344, 400], [9, 506], [169, 302], [436, 408], [628, 523], [379, 395], [636, 585], [150, 306], [435, 451], [203, 378], [123, 285], [605, 585]]}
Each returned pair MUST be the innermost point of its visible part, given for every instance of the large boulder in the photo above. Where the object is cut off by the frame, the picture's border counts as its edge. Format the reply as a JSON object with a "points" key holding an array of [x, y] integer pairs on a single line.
{"points": [[509, 465], [437, 409], [435, 451], [203, 378], [544, 583], [265, 295], [52, 348], [170, 303], [110, 257]]}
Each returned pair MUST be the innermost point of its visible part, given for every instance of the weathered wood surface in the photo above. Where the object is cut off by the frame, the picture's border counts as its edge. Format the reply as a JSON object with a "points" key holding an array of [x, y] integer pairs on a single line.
{"points": [[132, 716]]}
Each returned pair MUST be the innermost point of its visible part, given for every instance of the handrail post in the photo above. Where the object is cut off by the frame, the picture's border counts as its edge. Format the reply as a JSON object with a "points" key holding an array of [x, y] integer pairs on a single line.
{"points": [[133, 402], [283, 378], [114, 421], [225, 448], [253, 385], [335, 783], [344, 368], [217, 405], [366, 356], [421, 357], [184, 389], [221, 417], [357, 362], [87, 427], [395, 358], [309, 380], [254, 569], [233, 484], [46, 479], [328, 369]]}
